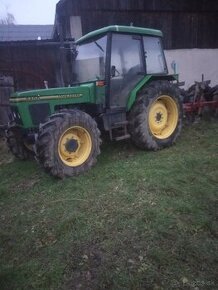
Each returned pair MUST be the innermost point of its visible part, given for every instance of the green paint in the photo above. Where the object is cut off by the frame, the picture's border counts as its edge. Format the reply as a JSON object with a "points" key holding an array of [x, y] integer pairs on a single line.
{"points": [[84, 93], [119, 28], [53, 91], [134, 92]]}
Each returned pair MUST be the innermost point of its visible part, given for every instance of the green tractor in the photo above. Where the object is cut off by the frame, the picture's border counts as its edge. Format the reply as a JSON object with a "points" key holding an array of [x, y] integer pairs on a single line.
{"points": [[122, 86]]}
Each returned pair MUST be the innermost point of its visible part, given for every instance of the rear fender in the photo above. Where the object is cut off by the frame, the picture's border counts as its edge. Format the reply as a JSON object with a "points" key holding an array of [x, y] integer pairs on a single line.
{"points": [[146, 80]]}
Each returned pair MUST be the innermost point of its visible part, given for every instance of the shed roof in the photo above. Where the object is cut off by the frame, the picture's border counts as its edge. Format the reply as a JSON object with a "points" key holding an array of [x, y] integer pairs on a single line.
{"points": [[25, 32]]}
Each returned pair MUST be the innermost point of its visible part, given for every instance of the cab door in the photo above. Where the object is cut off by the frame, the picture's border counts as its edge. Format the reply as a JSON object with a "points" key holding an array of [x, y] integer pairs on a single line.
{"points": [[127, 67]]}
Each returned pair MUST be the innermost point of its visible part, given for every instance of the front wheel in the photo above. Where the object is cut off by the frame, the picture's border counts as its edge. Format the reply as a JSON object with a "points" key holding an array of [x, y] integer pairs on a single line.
{"points": [[68, 143], [17, 145], [156, 117]]}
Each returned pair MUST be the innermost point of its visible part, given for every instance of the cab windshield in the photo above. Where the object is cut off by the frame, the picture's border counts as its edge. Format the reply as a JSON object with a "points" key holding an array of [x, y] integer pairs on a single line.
{"points": [[89, 64]]}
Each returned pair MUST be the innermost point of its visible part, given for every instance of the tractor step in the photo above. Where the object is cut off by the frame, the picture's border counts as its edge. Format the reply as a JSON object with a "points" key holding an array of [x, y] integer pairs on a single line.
{"points": [[116, 123], [119, 131], [120, 124], [123, 137]]}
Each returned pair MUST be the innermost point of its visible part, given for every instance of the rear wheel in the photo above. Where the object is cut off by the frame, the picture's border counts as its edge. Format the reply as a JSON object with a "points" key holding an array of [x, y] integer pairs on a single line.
{"points": [[156, 117], [68, 143]]}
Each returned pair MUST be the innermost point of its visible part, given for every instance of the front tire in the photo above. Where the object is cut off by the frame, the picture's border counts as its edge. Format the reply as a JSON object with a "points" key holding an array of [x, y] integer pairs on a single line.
{"points": [[68, 143], [156, 117], [16, 144]]}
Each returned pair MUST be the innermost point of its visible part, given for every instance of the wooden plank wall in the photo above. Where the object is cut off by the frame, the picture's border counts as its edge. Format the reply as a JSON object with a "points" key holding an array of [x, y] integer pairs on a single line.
{"points": [[29, 65], [6, 88], [185, 23]]}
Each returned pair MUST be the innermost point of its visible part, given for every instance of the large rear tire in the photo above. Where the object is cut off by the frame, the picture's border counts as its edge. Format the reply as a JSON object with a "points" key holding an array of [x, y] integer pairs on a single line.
{"points": [[156, 117], [68, 143]]}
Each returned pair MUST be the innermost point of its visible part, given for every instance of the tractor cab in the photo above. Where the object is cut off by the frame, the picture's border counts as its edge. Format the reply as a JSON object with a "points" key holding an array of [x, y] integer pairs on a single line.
{"points": [[120, 57]]}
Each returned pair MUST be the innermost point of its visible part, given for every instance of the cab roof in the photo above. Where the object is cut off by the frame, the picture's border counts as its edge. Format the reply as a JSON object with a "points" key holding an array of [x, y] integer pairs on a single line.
{"points": [[119, 28]]}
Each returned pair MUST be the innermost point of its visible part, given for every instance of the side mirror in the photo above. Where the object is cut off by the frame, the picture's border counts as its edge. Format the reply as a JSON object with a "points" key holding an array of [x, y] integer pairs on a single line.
{"points": [[174, 66], [113, 71]]}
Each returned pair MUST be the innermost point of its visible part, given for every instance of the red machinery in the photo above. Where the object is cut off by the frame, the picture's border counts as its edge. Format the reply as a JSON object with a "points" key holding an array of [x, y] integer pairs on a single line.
{"points": [[200, 98]]}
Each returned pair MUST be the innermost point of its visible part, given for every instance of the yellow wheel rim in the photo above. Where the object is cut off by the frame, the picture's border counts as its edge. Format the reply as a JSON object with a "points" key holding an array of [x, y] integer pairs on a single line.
{"points": [[74, 146], [163, 117]]}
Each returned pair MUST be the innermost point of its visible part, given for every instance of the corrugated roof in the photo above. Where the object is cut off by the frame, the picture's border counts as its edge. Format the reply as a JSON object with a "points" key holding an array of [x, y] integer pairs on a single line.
{"points": [[25, 32]]}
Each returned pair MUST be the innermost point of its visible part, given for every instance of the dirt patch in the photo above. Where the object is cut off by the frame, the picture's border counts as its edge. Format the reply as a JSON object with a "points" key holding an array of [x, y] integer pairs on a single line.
{"points": [[84, 265], [25, 184]]}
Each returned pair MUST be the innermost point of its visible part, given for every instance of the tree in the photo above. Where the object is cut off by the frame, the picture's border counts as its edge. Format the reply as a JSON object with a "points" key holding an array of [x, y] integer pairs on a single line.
{"points": [[9, 19]]}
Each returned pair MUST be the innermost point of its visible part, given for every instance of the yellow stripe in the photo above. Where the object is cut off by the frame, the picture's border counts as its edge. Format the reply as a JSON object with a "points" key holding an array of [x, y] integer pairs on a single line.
{"points": [[44, 98]]}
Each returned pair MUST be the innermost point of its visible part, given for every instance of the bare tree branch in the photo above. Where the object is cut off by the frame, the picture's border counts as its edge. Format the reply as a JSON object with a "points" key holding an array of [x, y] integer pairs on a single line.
{"points": [[9, 19]]}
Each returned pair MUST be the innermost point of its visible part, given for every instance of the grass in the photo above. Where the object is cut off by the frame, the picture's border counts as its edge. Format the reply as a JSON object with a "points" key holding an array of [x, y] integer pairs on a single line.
{"points": [[137, 220]]}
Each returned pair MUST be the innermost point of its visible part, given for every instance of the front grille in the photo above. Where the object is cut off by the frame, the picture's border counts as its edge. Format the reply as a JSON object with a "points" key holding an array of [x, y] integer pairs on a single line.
{"points": [[39, 112], [15, 116]]}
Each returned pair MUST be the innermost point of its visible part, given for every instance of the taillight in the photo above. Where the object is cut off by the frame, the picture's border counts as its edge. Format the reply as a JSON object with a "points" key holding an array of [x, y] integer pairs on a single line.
{"points": [[100, 83]]}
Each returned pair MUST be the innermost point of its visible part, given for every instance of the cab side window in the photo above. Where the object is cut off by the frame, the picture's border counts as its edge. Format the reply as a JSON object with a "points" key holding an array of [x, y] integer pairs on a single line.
{"points": [[154, 57], [127, 67]]}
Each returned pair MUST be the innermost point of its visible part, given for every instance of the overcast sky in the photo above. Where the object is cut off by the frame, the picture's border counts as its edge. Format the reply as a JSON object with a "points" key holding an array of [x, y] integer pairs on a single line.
{"points": [[29, 11]]}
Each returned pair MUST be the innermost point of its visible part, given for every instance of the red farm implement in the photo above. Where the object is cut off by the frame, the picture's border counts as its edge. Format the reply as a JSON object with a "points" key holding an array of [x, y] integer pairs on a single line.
{"points": [[200, 99]]}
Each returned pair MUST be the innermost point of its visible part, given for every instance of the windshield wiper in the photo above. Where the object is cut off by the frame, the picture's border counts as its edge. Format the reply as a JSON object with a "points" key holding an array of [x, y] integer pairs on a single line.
{"points": [[99, 46]]}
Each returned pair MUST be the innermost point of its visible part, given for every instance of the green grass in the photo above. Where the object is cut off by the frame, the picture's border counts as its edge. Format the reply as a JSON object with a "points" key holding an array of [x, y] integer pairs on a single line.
{"points": [[137, 220]]}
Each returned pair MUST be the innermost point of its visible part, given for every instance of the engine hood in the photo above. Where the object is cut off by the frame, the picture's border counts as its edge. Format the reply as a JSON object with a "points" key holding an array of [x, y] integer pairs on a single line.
{"points": [[78, 91]]}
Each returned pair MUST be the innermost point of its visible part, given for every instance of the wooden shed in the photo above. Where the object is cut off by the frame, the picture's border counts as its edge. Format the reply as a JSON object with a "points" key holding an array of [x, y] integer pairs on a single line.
{"points": [[6, 88], [185, 23], [30, 63]]}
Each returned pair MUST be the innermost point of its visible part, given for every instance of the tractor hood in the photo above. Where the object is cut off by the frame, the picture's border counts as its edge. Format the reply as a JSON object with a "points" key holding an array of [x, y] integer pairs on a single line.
{"points": [[30, 108], [83, 92]]}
